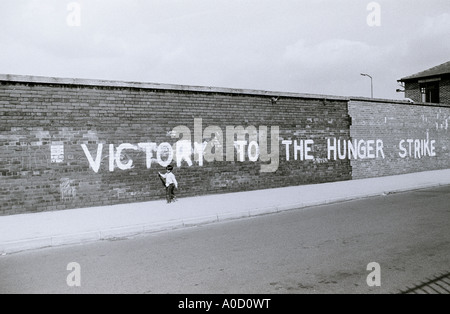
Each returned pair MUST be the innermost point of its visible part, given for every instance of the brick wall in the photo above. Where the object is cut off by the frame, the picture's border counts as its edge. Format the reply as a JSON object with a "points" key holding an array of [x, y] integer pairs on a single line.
{"points": [[396, 122], [67, 143], [445, 90], [46, 122], [412, 90]]}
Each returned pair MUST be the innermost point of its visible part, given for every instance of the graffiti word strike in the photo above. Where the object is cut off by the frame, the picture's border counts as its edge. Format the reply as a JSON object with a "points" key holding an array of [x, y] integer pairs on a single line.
{"points": [[417, 148]]}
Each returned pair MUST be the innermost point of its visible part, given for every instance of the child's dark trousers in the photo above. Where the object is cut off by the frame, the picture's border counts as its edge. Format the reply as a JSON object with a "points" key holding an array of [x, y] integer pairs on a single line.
{"points": [[170, 194]]}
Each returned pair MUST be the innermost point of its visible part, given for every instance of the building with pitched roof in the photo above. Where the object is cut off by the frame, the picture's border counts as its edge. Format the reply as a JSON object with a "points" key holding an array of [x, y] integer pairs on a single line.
{"points": [[429, 86]]}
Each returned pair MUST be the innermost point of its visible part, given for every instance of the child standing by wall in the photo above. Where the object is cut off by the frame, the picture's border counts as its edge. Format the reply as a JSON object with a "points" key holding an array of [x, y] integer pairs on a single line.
{"points": [[171, 184]]}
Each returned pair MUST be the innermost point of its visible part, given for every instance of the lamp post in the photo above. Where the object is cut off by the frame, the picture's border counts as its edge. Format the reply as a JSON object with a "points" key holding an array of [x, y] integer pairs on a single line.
{"points": [[371, 83]]}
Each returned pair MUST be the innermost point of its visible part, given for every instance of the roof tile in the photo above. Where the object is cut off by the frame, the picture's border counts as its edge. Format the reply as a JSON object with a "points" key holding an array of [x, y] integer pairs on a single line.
{"points": [[434, 71]]}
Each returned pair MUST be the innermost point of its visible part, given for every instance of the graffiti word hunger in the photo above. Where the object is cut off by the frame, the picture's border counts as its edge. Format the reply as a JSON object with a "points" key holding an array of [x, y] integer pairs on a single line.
{"points": [[256, 148], [355, 149]]}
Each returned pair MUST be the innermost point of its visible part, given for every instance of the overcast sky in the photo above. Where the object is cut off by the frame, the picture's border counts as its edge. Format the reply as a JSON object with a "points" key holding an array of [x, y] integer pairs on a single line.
{"points": [[304, 46]]}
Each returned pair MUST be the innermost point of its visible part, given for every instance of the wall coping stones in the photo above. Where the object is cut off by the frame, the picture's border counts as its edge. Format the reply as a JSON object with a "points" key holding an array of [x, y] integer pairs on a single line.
{"points": [[390, 101], [30, 79], [156, 86]]}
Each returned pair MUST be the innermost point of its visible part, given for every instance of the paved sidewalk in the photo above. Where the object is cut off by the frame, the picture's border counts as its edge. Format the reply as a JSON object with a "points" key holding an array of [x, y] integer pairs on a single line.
{"points": [[33, 231]]}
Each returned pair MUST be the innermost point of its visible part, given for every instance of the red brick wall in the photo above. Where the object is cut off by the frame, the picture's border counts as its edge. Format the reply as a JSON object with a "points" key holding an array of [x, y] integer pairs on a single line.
{"points": [[38, 116]]}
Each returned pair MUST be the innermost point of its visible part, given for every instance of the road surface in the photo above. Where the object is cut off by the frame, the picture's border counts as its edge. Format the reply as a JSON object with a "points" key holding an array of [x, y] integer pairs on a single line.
{"points": [[322, 249]]}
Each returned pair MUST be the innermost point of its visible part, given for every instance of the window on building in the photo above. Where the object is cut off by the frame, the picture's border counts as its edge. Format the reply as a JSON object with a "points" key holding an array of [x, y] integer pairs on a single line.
{"points": [[430, 92]]}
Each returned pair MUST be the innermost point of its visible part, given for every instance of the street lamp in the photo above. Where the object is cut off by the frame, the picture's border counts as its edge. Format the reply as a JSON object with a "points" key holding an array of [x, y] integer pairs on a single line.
{"points": [[371, 82]]}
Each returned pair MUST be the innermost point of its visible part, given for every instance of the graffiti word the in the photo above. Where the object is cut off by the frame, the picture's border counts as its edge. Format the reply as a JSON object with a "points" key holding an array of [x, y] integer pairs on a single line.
{"points": [[302, 149], [355, 149]]}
